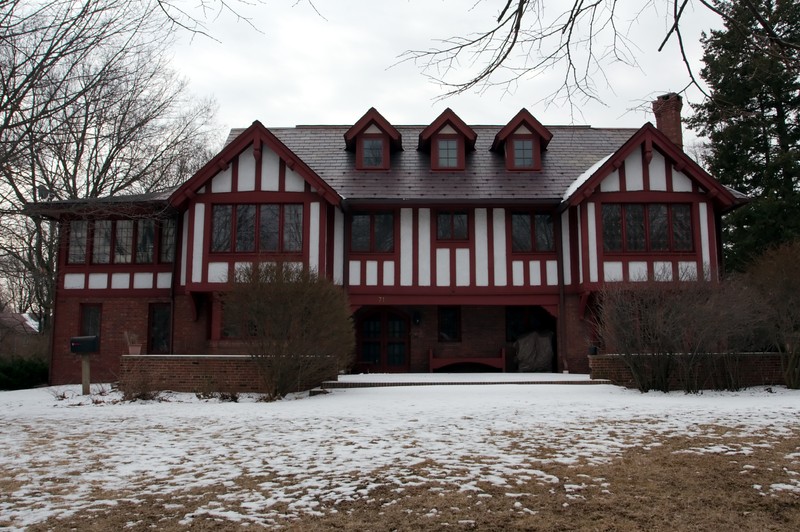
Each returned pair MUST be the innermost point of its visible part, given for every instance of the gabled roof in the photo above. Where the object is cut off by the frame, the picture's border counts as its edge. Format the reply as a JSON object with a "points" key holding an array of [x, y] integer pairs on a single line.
{"points": [[258, 136], [373, 117], [448, 117], [649, 136], [485, 179], [523, 118]]}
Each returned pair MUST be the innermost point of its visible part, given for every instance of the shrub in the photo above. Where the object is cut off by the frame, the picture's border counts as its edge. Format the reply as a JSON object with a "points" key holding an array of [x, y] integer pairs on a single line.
{"points": [[670, 332], [21, 373], [775, 276], [295, 324]]}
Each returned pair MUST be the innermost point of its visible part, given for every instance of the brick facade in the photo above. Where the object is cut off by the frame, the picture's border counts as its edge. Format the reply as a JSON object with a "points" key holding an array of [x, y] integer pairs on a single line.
{"points": [[752, 369]]}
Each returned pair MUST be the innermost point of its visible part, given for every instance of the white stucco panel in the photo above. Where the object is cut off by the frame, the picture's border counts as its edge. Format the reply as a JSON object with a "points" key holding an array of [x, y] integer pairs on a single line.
{"points": [[371, 273], [443, 267], [294, 183], [217, 272], [637, 271], [121, 281], [222, 181], [552, 273], [680, 183], [481, 249], [98, 281], [388, 273], [246, 179], [658, 172], [610, 183], [517, 273], [270, 170], [662, 271], [634, 175], [424, 240], [499, 241], [406, 247], [164, 280], [354, 270], [74, 281], [143, 280], [462, 267], [612, 271]]}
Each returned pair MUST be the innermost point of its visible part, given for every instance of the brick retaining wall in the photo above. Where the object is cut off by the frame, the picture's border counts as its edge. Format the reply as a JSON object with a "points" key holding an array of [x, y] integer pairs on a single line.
{"points": [[753, 369]]}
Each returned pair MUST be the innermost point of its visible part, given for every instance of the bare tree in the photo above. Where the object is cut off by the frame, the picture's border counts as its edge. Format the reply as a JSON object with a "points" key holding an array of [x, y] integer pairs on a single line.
{"points": [[577, 40], [88, 108], [295, 324]]}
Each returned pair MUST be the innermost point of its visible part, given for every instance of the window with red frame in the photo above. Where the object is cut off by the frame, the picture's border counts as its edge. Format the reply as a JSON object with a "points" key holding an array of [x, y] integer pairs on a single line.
{"points": [[636, 227], [250, 228], [372, 153], [522, 154], [122, 241], [452, 225], [531, 232], [372, 232]]}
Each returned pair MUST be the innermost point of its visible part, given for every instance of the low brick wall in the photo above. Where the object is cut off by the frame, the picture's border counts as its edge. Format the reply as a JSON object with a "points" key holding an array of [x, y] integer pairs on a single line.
{"points": [[190, 373], [752, 369]]}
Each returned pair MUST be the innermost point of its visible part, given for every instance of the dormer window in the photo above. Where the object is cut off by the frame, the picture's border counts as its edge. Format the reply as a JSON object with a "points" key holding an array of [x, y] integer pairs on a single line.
{"points": [[447, 140], [448, 153], [372, 153], [373, 139], [522, 141], [522, 153]]}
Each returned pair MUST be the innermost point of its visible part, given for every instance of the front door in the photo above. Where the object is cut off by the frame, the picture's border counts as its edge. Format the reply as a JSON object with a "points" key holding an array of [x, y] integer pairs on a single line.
{"points": [[382, 342]]}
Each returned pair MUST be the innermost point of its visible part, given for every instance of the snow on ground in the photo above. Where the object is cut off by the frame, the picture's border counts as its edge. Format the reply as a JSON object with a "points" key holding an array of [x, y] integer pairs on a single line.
{"points": [[317, 451]]}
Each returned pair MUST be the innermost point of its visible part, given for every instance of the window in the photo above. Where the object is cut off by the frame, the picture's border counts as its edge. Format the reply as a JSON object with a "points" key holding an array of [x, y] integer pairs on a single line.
{"points": [[448, 153], [123, 242], [159, 328], [372, 232], [145, 241], [372, 153], [449, 324], [167, 241], [452, 225], [635, 227], [77, 242], [531, 232], [257, 228], [90, 320], [523, 153]]}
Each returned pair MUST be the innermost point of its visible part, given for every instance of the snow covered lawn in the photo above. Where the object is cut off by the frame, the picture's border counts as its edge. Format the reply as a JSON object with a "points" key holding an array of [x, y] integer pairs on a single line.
{"points": [[441, 455]]}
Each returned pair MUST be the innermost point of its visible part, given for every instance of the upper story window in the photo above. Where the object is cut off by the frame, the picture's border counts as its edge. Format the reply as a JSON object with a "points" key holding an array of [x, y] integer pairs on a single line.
{"points": [[531, 232], [372, 232], [372, 153], [522, 157], [452, 225], [249, 228], [636, 227], [448, 153], [122, 241], [78, 234]]}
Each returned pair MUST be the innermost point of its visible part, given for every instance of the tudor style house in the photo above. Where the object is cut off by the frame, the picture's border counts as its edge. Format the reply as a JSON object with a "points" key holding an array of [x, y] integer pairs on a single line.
{"points": [[450, 240]]}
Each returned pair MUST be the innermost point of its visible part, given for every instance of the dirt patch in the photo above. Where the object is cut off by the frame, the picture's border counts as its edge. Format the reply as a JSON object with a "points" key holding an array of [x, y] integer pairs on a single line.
{"points": [[715, 482]]}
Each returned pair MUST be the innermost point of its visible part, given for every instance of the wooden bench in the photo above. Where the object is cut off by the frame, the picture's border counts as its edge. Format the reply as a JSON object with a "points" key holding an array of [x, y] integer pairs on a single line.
{"points": [[498, 362]]}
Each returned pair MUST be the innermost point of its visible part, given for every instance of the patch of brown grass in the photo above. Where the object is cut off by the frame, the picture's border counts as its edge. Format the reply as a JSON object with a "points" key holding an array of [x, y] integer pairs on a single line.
{"points": [[685, 483]]}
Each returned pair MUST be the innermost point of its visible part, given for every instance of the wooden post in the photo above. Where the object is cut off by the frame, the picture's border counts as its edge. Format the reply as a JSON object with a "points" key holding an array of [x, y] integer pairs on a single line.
{"points": [[85, 373]]}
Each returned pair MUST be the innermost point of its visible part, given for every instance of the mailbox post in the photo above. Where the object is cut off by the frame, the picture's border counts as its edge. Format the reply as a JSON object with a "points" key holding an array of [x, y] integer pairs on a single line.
{"points": [[84, 346]]}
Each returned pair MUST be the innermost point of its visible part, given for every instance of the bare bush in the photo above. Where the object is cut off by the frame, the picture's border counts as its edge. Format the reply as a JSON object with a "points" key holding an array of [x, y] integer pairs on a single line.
{"points": [[295, 324], [677, 332], [775, 277]]}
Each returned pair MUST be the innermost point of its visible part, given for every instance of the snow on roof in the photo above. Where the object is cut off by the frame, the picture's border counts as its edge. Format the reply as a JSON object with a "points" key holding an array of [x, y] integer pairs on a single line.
{"points": [[584, 177]]}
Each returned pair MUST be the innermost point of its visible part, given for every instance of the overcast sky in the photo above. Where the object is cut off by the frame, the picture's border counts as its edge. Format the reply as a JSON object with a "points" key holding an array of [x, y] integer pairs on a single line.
{"points": [[300, 67]]}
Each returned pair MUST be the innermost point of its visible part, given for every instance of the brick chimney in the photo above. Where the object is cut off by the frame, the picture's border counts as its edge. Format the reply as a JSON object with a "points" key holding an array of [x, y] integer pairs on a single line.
{"points": [[667, 109]]}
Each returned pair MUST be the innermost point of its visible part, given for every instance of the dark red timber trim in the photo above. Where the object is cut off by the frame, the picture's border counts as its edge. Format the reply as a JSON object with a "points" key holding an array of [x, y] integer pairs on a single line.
{"points": [[235, 173], [190, 244], [282, 176], [647, 157], [668, 174], [623, 181], [415, 243], [259, 170]]}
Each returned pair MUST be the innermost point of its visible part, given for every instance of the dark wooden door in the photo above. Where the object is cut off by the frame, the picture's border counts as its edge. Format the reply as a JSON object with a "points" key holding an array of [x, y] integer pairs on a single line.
{"points": [[382, 342]]}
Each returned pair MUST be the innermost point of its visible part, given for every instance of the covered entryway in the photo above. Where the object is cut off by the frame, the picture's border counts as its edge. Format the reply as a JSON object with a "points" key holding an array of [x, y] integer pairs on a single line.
{"points": [[382, 341]]}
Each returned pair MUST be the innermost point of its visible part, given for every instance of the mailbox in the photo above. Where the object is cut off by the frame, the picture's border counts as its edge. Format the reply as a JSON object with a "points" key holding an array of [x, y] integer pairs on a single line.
{"points": [[84, 344]]}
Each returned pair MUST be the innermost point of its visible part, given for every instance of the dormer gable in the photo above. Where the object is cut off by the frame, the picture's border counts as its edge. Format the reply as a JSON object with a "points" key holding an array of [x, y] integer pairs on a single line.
{"points": [[522, 142], [447, 140], [373, 139]]}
